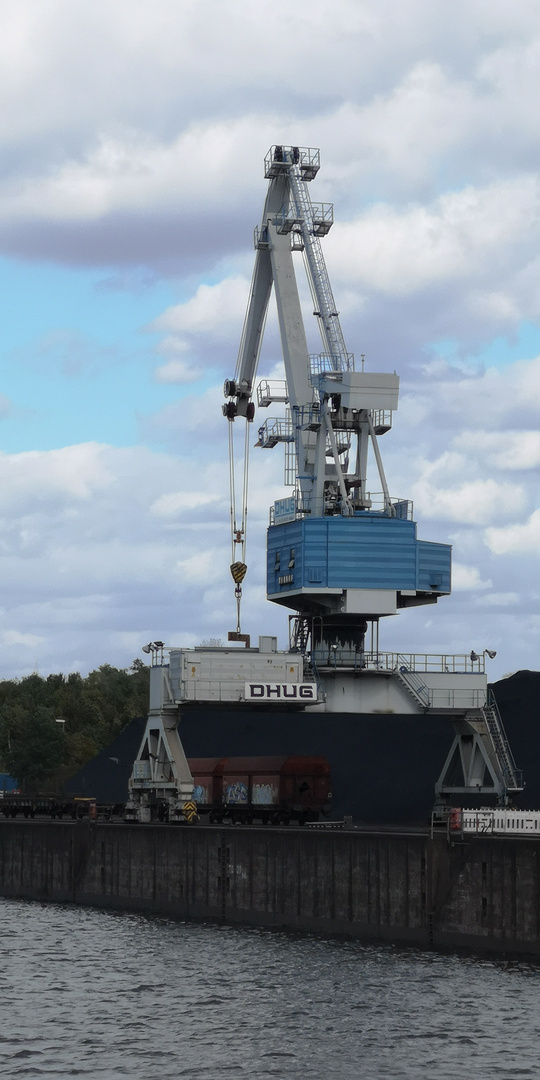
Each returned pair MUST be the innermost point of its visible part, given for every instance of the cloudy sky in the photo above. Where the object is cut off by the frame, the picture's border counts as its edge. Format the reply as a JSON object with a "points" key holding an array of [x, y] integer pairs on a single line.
{"points": [[133, 136]]}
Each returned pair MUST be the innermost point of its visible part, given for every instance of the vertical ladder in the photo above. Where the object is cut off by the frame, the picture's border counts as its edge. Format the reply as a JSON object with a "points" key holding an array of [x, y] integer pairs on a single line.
{"points": [[300, 634], [331, 331]]}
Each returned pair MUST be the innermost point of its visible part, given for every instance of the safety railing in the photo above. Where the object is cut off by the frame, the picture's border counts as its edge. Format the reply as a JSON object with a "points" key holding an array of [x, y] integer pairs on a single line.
{"points": [[275, 430], [382, 420], [374, 501], [268, 392], [391, 662], [279, 159], [323, 363], [322, 217]]}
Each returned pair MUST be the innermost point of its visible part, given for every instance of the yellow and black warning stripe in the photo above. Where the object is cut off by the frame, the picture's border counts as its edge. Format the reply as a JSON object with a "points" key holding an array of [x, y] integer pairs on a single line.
{"points": [[238, 571], [189, 811]]}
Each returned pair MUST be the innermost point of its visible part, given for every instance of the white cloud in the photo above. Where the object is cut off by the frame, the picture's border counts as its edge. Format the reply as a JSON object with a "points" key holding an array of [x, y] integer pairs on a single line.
{"points": [[129, 172], [75, 472], [201, 568], [89, 568], [212, 308], [177, 371], [476, 501], [174, 503], [176, 125], [172, 346], [522, 539], [492, 402], [512, 450], [13, 637], [508, 599], [468, 578], [470, 234]]}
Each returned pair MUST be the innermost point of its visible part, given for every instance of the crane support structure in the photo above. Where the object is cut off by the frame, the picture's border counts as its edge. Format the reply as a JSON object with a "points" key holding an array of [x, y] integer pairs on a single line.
{"points": [[338, 554]]}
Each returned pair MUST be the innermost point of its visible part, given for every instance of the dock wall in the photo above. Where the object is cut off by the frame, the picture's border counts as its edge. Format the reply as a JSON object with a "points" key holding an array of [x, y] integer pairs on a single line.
{"points": [[483, 893]]}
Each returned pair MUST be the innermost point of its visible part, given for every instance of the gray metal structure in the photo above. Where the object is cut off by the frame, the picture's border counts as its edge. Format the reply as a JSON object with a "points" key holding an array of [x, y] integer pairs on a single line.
{"points": [[290, 223]]}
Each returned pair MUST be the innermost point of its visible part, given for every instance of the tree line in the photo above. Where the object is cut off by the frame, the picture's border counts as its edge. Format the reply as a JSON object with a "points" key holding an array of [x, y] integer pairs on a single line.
{"points": [[51, 726]]}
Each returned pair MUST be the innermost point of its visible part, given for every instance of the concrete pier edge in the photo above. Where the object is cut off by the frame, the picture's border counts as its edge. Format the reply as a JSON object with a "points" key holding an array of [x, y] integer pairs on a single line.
{"points": [[482, 894]]}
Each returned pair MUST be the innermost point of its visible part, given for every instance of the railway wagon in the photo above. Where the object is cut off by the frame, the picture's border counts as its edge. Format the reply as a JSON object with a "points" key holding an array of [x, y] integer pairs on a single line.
{"points": [[273, 790]]}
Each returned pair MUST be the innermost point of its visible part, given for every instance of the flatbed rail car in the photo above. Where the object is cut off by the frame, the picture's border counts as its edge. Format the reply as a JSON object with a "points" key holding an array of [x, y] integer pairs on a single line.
{"points": [[273, 790], [494, 821], [55, 806]]}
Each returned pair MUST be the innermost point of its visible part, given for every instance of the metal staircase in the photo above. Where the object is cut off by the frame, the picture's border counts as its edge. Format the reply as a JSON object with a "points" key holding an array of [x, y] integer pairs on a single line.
{"points": [[513, 777], [413, 683], [300, 632]]}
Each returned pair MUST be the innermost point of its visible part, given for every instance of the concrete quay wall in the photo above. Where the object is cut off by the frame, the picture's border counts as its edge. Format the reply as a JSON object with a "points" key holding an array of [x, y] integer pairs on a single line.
{"points": [[483, 893]]}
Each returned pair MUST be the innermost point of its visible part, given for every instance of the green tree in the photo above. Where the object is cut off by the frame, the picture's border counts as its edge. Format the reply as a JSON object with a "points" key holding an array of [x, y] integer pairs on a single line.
{"points": [[139, 688], [32, 745], [37, 750]]}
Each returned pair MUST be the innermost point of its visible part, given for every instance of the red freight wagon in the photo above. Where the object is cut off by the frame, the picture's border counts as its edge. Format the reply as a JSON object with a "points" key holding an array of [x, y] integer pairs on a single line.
{"points": [[207, 774], [269, 789]]}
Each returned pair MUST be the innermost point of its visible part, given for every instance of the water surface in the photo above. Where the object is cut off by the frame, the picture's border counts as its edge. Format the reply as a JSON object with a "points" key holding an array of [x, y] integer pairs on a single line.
{"points": [[92, 993]]}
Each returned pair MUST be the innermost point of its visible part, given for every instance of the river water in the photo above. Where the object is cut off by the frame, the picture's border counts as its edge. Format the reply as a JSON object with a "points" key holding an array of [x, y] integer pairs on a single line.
{"points": [[91, 993]]}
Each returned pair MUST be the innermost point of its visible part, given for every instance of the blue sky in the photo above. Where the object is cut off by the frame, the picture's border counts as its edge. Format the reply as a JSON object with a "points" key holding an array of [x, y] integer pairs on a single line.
{"points": [[523, 344], [132, 141], [79, 365]]}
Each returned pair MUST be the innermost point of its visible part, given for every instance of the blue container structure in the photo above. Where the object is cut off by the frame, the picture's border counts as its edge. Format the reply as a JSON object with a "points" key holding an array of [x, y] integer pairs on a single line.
{"points": [[370, 551], [8, 783]]}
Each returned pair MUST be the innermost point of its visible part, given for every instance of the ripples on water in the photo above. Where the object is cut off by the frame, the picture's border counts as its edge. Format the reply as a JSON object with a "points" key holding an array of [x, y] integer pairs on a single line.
{"points": [[93, 993]]}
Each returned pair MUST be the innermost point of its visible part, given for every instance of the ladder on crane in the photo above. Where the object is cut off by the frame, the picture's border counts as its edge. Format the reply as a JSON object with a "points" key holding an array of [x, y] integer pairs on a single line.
{"points": [[319, 280]]}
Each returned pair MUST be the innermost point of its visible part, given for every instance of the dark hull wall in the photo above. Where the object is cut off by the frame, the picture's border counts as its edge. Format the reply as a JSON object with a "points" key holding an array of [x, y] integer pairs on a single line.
{"points": [[384, 767], [518, 698]]}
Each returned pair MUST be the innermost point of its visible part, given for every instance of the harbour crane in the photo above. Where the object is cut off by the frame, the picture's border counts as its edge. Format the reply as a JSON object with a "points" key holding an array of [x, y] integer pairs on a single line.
{"points": [[339, 555]]}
